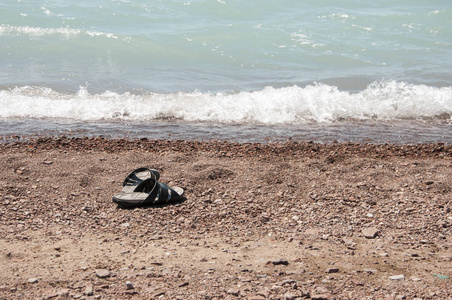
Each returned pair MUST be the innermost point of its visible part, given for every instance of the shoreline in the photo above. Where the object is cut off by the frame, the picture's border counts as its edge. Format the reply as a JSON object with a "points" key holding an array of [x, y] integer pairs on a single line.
{"points": [[295, 148], [293, 220], [364, 131]]}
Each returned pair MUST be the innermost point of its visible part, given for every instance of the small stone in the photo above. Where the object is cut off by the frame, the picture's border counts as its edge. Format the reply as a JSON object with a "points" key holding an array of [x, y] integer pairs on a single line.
{"points": [[264, 293], [63, 293], [33, 280], [319, 296], [158, 294], [289, 296], [102, 273], [397, 277], [370, 233], [280, 262], [325, 237], [129, 285], [233, 292], [288, 281], [218, 201], [50, 294], [357, 282], [332, 270], [125, 225], [371, 271], [47, 162], [255, 297], [89, 290]]}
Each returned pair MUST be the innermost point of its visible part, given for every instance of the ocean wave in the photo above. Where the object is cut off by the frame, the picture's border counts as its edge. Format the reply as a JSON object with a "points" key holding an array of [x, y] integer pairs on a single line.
{"points": [[386, 100]]}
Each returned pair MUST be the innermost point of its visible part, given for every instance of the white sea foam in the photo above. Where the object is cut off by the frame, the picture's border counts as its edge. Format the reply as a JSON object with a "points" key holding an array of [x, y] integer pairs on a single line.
{"points": [[8, 30], [321, 103], [301, 38]]}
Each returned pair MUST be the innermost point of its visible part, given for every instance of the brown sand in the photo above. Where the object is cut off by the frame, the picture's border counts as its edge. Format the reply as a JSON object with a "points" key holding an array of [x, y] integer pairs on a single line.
{"points": [[276, 221]]}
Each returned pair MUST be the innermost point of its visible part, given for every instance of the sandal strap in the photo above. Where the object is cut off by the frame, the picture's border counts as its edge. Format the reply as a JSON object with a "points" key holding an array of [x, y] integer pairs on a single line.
{"points": [[152, 187], [133, 179], [164, 195]]}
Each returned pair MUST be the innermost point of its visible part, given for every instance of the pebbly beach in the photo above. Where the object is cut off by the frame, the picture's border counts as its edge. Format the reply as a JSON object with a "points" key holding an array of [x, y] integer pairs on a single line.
{"points": [[293, 220]]}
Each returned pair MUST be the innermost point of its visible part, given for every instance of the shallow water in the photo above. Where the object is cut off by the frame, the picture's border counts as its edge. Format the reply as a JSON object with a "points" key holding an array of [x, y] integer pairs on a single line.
{"points": [[413, 132]]}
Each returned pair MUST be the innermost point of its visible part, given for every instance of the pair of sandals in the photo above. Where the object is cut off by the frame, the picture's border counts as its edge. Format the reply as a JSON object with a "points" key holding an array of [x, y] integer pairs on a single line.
{"points": [[141, 187]]}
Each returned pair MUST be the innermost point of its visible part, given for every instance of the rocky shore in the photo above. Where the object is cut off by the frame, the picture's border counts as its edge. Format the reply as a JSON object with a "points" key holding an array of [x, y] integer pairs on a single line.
{"points": [[260, 221]]}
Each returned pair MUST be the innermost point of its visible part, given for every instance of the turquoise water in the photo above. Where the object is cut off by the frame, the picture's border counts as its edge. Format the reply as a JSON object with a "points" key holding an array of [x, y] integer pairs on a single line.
{"points": [[225, 62]]}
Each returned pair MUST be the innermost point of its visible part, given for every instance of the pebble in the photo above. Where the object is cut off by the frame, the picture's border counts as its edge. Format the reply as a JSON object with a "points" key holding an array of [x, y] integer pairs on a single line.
{"points": [[280, 262], [397, 277], [102, 273], [319, 296], [371, 271], [158, 294], [33, 280], [89, 291], [289, 296], [357, 282], [370, 233], [129, 285], [255, 297], [332, 270], [218, 201], [288, 281], [234, 292]]}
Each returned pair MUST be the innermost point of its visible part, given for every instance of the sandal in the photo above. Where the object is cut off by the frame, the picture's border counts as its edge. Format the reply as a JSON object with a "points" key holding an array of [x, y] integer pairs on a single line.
{"points": [[147, 192]]}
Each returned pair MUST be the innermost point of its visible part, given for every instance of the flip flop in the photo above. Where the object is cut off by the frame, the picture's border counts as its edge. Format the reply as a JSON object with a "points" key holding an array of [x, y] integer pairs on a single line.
{"points": [[149, 192], [136, 177]]}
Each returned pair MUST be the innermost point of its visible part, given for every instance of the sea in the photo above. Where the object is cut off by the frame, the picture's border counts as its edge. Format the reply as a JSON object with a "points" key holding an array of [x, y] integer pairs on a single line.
{"points": [[243, 71]]}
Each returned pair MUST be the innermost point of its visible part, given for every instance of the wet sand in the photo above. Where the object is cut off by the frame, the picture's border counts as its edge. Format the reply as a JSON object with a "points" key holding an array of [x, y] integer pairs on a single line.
{"points": [[260, 221]]}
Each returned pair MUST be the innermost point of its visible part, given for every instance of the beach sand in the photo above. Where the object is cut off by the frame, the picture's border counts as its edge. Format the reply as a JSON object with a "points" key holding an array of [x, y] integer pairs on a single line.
{"points": [[260, 221]]}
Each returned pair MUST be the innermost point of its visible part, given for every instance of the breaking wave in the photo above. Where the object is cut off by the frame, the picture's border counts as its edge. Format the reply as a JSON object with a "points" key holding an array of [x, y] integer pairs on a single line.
{"points": [[386, 100]]}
